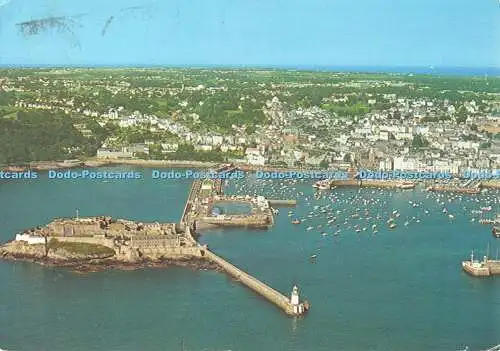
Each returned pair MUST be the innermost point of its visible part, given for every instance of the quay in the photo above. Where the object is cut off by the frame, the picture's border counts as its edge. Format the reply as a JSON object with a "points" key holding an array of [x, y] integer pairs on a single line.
{"points": [[490, 184], [484, 268], [283, 203], [455, 189], [364, 183]]}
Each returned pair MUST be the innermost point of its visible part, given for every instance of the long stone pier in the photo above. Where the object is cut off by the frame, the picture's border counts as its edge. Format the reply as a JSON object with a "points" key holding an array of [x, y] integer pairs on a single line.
{"points": [[291, 306], [259, 287], [193, 193]]}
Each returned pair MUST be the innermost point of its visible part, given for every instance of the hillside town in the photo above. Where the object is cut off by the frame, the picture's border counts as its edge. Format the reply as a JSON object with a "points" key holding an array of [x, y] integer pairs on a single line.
{"points": [[286, 119]]}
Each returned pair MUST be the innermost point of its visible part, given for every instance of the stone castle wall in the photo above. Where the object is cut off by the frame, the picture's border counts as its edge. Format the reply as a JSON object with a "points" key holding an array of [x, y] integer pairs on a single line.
{"points": [[88, 240]]}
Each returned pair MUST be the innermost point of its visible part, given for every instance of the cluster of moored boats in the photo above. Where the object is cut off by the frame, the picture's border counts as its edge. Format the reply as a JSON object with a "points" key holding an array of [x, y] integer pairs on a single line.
{"points": [[368, 209]]}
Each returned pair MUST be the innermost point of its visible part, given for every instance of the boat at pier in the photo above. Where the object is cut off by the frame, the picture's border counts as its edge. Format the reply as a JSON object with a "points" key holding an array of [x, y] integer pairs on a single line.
{"points": [[406, 185], [324, 184], [476, 268]]}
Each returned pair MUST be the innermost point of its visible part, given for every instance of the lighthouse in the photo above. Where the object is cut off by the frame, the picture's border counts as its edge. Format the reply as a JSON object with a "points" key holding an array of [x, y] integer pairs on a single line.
{"points": [[298, 308]]}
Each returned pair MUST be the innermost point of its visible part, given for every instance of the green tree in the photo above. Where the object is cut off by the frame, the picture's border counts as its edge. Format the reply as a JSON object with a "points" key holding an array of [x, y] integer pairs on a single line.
{"points": [[419, 141]]}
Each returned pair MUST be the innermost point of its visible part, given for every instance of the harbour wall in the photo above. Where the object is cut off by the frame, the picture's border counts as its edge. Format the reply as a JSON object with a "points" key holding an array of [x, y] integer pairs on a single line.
{"points": [[174, 252], [494, 267], [252, 221], [490, 184], [193, 193], [367, 183], [277, 202], [256, 285], [165, 251], [454, 189]]}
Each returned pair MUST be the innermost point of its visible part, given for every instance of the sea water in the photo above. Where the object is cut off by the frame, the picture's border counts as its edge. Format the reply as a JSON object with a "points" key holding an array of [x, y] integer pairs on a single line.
{"points": [[399, 289]]}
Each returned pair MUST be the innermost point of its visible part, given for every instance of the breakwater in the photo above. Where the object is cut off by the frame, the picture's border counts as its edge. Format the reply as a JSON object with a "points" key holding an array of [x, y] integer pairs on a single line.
{"points": [[251, 221], [272, 295], [455, 189], [283, 203], [197, 215], [392, 184], [490, 184]]}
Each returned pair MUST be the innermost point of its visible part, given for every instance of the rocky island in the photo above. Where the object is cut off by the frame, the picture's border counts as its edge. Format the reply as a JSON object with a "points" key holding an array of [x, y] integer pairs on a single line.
{"points": [[97, 243]]}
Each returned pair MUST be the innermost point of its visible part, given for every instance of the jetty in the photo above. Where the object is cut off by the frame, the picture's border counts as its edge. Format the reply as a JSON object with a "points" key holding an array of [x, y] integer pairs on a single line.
{"points": [[490, 184], [198, 214], [282, 203], [454, 189], [364, 183], [291, 306]]}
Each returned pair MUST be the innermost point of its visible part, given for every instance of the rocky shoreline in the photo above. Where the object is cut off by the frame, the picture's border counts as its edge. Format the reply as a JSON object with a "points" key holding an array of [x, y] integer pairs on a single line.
{"points": [[87, 265]]}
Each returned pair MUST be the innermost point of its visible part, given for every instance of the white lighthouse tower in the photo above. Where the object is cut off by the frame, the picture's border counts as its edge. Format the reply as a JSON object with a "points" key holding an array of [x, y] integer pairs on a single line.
{"points": [[298, 308]]}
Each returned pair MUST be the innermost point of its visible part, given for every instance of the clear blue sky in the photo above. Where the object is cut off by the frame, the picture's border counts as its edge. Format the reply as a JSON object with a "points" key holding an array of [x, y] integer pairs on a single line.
{"points": [[257, 32]]}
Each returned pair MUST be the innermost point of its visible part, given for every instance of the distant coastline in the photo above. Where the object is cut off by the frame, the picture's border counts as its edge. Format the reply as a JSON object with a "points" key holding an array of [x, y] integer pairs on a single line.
{"points": [[416, 70]]}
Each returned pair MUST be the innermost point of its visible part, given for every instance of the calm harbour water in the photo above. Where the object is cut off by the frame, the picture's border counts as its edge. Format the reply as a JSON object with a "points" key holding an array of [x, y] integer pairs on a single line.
{"points": [[400, 289]]}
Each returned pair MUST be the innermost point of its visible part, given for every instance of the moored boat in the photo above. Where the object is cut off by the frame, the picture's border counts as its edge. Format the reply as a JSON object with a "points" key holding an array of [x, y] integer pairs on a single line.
{"points": [[476, 268], [496, 232], [406, 185]]}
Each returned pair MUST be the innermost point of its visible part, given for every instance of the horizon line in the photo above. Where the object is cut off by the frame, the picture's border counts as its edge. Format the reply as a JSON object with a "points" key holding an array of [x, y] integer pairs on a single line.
{"points": [[394, 69]]}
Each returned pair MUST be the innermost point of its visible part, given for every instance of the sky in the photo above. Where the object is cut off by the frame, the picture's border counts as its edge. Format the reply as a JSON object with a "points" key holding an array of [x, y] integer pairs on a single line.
{"points": [[375, 33]]}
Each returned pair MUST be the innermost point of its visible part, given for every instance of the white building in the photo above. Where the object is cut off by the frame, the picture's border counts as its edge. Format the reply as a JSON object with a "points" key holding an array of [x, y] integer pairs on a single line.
{"points": [[30, 239], [113, 153], [298, 308], [408, 164], [254, 157]]}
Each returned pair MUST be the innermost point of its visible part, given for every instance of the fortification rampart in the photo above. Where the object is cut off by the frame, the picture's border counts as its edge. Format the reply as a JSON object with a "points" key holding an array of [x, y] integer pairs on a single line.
{"points": [[88, 240]]}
